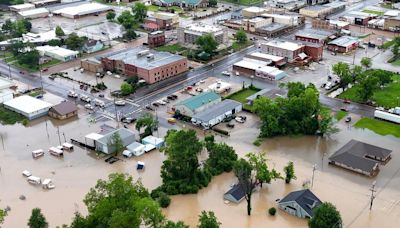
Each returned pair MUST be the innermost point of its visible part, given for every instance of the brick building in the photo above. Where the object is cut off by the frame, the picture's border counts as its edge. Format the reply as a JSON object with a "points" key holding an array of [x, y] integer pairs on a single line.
{"points": [[156, 39], [190, 33], [313, 36], [286, 49], [343, 44], [149, 65]]}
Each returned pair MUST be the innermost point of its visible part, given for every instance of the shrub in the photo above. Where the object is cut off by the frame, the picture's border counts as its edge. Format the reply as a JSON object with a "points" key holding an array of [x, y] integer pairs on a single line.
{"points": [[164, 200], [272, 211], [257, 142], [25, 122]]}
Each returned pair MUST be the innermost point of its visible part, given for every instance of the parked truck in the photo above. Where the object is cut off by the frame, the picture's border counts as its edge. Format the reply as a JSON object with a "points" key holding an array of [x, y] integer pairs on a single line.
{"points": [[387, 116]]}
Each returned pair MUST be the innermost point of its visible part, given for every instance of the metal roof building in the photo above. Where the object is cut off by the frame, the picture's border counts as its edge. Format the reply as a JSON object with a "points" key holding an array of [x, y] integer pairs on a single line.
{"points": [[235, 194], [34, 13], [300, 203], [28, 106], [103, 143], [198, 103], [82, 10]]}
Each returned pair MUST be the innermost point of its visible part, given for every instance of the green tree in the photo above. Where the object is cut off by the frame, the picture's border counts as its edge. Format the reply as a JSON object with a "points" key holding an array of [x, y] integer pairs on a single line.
{"points": [[366, 88], [325, 216], [221, 158], [171, 224], [110, 15], [17, 47], [126, 89], [54, 42], [140, 11], [207, 219], [115, 143], [130, 34], [395, 49], [37, 219], [29, 58], [207, 43], [258, 163], [212, 3], [326, 123], [241, 37], [7, 26], [247, 180], [366, 62], [148, 122], [295, 89], [289, 172], [3, 214], [384, 77], [75, 42], [124, 16], [343, 71], [357, 73], [59, 31]]}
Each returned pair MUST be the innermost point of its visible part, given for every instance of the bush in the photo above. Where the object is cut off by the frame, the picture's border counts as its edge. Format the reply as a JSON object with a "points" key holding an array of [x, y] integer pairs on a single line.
{"points": [[272, 211], [257, 142], [25, 122], [164, 200]]}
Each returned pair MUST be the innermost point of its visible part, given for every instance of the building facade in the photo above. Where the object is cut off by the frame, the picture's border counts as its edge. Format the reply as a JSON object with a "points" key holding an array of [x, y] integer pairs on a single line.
{"points": [[343, 44], [156, 39], [286, 49], [190, 33]]}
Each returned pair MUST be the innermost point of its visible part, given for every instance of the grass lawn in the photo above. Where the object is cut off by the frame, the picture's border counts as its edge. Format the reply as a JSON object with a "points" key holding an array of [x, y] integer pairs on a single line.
{"points": [[387, 44], [241, 96], [173, 48], [8, 117], [387, 97], [244, 2], [340, 115], [50, 63], [154, 8], [396, 63], [379, 127], [379, 13]]}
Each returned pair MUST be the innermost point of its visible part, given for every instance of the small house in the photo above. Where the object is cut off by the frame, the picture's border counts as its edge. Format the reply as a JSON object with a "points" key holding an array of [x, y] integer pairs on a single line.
{"points": [[64, 110], [105, 144], [157, 142], [235, 194], [92, 46], [300, 203]]}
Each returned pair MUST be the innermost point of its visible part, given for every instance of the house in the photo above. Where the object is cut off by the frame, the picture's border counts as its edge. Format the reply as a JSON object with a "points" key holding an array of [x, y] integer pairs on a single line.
{"points": [[343, 44], [216, 113], [104, 144], [92, 46], [196, 104], [300, 203], [64, 110], [152, 140], [28, 106], [360, 157], [235, 194]]}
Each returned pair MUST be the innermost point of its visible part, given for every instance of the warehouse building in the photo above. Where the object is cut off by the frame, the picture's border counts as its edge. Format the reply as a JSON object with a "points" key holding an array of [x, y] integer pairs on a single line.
{"points": [[56, 52], [28, 106], [291, 20], [313, 36], [216, 113], [315, 11], [190, 33], [82, 10], [6, 93], [277, 61], [149, 65], [33, 13], [253, 11], [358, 18], [105, 144], [286, 49], [258, 68], [196, 104], [21, 7], [343, 44], [181, 3], [251, 25], [270, 73], [42, 3], [291, 5]]}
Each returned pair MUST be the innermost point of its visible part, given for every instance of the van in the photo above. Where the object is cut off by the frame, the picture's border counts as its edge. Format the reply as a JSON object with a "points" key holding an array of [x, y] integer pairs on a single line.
{"points": [[34, 180], [68, 146], [37, 153], [48, 184], [56, 152], [99, 103]]}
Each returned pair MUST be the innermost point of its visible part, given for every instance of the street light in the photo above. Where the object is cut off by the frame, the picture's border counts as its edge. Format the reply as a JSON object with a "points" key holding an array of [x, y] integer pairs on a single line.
{"points": [[313, 171]]}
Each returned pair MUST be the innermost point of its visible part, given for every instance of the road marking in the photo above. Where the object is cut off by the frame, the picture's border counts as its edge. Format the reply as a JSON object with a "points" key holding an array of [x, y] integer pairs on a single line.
{"points": [[132, 102]]}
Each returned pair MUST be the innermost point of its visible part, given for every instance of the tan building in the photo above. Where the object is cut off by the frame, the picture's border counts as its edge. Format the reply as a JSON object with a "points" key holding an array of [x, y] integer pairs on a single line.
{"points": [[253, 11], [190, 33], [92, 65], [315, 11], [252, 24], [286, 49], [64, 110], [392, 24]]}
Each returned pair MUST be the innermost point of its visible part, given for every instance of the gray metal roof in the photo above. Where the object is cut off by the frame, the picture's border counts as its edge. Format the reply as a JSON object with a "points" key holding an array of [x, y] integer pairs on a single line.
{"points": [[315, 34], [305, 199], [123, 133], [216, 110], [236, 192], [271, 93], [354, 153], [131, 56]]}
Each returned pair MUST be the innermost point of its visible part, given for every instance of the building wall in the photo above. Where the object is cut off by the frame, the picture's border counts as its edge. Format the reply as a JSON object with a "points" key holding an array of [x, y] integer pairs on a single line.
{"points": [[186, 37], [340, 49], [91, 67], [316, 53], [309, 39], [296, 211], [244, 71], [391, 23], [156, 40], [288, 54], [60, 117], [31, 115]]}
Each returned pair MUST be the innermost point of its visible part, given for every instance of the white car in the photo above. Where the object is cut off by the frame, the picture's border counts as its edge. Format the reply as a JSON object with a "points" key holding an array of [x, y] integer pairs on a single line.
{"points": [[226, 73], [89, 106], [26, 173], [72, 94], [161, 102], [109, 73], [85, 99], [99, 103], [237, 73], [120, 102], [239, 120]]}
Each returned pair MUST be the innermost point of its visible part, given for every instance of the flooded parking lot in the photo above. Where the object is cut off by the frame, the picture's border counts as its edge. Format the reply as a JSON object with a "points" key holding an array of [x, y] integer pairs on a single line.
{"points": [[79, 170]]}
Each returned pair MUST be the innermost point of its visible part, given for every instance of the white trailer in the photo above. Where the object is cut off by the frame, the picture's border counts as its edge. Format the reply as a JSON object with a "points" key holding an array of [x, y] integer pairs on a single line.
{"points": [[48, 184], [34, 180], [37, 153], [68, 146], [387, 116], [55, 151]]}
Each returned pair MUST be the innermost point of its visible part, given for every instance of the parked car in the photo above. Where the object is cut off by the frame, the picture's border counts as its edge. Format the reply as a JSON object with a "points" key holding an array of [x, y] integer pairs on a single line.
{"points": [[72, 94], [128, 120], [161, 102], [148, 107], [240, 119], [174, 96], [99, 103], [89, 106], [226, 73], [155, 104], [348, 119], [344, 109], [120, 102], [230, 125], [85, 99]]}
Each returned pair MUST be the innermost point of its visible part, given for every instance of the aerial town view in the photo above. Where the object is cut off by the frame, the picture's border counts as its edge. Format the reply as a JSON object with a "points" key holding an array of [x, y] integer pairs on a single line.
{"points": [[199, 113]]}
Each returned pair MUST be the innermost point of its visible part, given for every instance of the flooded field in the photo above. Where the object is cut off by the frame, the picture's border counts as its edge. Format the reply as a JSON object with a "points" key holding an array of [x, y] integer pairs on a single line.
{"points": [[79, 170]]}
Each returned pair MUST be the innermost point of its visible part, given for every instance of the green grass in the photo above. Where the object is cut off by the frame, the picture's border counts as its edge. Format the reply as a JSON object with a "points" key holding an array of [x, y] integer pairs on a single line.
{"points": [[173, 48], [340, 115], [154, 8], [387, 97], [379, 13], [388, 44], [241, 95], [111, 3], [387, 6], [396, 62], [244, 2], [8, 117], [50, 63], [379, 127]]}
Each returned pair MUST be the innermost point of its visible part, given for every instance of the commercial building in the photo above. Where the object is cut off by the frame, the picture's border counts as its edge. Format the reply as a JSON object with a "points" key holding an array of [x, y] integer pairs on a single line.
{"points": [[286, 49], [315, 11], [42, 3], [253, 11], [331, 25], [196, 104], [56, 52], [360, 157], [251, 25], [92, 65], [273, 30], [190, 33], [300, 203], [82, 10], [378, 24], [6, 93], [216, 113], [270, 93], [252, 67], [64, 110], [21, 7], [277, 61], [181, 3], [290, 5], [313, 36], [270, 73], [343, 44], [33, 13], [161, 20], [291, 20], [392, 24], [358, 18], [105, 143], [313, 50], [149, 65], [156, 39], [28, 106]]}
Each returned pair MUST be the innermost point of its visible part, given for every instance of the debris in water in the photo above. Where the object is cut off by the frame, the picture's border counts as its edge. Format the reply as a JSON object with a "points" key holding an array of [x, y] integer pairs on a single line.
{"points": [[22, 197]]}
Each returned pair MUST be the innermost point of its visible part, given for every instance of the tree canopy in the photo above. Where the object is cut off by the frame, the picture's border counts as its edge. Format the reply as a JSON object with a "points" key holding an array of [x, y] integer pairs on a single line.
{"points": [[212, 3], [37, 219], [148, 122], [207, 43], [289, 172], [366, 62], [75, 42], [126, 89], [221, 157], [3, 214], [59, 31], [343, 71], [325, 216], [207, 219], [241, 37], [110, 15], [247, 180], [139, 11], [115, 142]]}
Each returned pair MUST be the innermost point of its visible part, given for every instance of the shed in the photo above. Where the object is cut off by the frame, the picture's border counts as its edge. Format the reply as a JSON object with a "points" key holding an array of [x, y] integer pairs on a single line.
{"points": [[28, 106], [56, 52], [235, 194], [103, 144], [157, 142], [136, 148], [300, 203], [64, 110]]}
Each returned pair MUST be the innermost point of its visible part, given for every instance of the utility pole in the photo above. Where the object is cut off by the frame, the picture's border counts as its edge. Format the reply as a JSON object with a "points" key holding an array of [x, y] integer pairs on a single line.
{"points": [[372, 194], [58, 133], [313, 171]]}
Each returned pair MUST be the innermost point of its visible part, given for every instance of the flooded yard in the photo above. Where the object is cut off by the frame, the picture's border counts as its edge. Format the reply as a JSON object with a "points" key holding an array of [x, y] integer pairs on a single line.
{"points": [[79, 170]]}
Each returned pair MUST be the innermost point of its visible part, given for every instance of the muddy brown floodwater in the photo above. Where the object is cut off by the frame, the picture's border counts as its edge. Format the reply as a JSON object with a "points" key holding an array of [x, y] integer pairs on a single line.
{"points": [[79, 170]]}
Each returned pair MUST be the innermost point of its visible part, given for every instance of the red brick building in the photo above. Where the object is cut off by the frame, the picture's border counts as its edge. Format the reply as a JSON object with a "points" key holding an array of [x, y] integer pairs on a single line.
{"points": [[156, 39]]}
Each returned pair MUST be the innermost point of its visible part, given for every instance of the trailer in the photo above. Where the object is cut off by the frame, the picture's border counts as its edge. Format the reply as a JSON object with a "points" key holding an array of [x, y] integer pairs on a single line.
{"points": [[68, 146], [37, 153], [48, 184], [34, 180], [55, 151], [387, 116]]}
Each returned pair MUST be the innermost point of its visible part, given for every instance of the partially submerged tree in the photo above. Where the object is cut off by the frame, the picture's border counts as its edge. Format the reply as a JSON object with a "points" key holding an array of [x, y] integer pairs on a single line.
{"points": [[148, 122], [110, 15], [115, 143], [247, 180], [37, 219], [59, 31], [3, 214], [221, 157], [289, 172], [325, 216], [207, 219], [258, 162]]}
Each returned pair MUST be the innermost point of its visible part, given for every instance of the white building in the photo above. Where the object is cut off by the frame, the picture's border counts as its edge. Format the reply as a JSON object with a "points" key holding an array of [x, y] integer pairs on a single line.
{"points": [[34, 13], [287, 4], [28, 106], [190, 33], [291, 20], [21, 7], [34, 38], [270, 73], [5, 93], [56, 52], [86, 9]]}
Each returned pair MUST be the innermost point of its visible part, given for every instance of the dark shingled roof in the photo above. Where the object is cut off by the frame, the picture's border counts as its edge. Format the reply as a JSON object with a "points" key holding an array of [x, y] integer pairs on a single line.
{"points": [[64, 108], [305, 199], [354, 154], [237, 192]]}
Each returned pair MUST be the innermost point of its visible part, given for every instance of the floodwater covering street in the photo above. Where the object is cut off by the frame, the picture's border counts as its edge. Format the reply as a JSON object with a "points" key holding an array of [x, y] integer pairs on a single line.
{"points": [[79, 170]]}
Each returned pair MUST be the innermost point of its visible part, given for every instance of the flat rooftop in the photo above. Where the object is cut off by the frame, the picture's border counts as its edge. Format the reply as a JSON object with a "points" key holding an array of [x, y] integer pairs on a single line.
{"points": [[344, 41], [5, 83], [254, 9], [283, 44], [314, 34], [274, 27], [216, 110], [140, 57], [83, 9], [251, 64], [56, 50], [203, 28], [31, 12], [22, 6], [267, 56], [27, 104]]}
